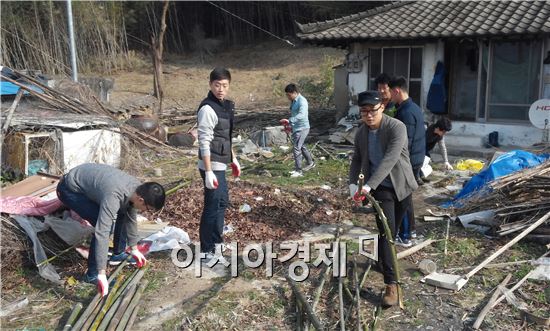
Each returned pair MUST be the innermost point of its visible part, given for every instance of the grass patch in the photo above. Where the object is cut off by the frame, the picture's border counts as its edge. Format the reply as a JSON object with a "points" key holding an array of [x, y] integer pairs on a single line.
{"points": [[332, 172], [156, 279]]}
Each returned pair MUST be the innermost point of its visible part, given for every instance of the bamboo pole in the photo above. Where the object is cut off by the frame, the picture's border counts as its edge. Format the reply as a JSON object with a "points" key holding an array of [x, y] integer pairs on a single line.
{"points": [[131, 291], [508, 245], [94, 303], [415, 249], [318, 292], [132, 318], [11, 110], [124, 325], [74, 314], [341, 303], [489, 304], [357, 292], [312, 317], [107, 303], [132, 280]]}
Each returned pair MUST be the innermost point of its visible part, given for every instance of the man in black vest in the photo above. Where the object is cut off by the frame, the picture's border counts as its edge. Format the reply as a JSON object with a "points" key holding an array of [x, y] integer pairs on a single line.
{"points": [[215, 127]]}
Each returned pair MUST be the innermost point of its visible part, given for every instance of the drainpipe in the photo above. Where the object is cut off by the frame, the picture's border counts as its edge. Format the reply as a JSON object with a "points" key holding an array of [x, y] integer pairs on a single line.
{"points": [[71, 38]]}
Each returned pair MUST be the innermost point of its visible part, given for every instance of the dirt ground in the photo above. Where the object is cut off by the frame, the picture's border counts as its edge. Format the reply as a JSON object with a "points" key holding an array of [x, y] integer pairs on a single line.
{"points": [[176, 299]]}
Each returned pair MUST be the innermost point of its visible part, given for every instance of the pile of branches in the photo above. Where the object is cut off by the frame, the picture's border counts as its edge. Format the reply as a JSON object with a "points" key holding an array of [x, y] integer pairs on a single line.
{"points": [[62, 102], [518, 200]]}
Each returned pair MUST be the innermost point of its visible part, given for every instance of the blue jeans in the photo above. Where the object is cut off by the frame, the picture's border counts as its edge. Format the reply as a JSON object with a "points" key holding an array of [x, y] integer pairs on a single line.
{"points": [[299, 149], [213, 213], [89, 210]]}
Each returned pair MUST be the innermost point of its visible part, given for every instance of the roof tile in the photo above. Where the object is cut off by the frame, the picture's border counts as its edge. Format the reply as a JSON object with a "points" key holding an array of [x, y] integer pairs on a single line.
{"points": [[401, 20]]}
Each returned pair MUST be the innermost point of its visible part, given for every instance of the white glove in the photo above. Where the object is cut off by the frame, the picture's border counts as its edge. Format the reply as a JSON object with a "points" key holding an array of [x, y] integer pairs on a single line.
{"points": [[102, 285], [366, 189], [210, 180], [236, 168], [352, 190], [448, 166], [141, 261]]}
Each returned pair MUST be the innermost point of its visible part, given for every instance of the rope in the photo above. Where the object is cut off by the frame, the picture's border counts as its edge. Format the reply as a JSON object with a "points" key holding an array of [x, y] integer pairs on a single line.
{"points": [[254, 25]]}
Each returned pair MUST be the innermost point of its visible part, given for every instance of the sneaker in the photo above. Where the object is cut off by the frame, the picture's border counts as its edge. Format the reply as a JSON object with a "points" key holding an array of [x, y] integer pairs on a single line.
{"points": [[403, 242], [309, 166], [295, 174], [119, 258], [390, 297], [419, 181], [413, 234], [90, 279]]}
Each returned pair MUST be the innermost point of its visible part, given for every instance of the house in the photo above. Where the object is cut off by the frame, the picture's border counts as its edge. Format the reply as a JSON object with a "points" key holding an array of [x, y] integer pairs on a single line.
{"points": [[496, 55]]}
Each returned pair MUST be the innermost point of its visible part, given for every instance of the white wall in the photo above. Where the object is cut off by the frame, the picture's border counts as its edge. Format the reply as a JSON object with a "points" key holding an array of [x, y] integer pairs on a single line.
{"points": [[357, 81], [472, 134]]}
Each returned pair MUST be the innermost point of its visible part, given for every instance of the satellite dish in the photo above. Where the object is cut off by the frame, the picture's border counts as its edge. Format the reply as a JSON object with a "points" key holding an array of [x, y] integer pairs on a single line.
{"points": [[539, 114]]}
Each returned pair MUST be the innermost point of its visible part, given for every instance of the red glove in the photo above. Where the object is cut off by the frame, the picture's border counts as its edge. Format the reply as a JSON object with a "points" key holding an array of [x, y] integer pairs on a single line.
{"points": [[357, 197], [287, 129], [141, 261], [236, 168], [284, 122]]}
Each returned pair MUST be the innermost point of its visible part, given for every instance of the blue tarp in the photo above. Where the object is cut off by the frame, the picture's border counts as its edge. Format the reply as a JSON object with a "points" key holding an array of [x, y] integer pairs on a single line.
{"points": [[503, 165], [7, 88]]}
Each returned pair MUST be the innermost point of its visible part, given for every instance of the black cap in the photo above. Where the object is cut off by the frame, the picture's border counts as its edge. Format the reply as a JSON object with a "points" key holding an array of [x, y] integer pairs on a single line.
{"points": [[368, 98]]}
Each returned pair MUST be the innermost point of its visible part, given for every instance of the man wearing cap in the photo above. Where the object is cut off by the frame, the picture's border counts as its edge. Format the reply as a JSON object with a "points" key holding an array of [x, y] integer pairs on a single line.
{"points": [[381, 154]]}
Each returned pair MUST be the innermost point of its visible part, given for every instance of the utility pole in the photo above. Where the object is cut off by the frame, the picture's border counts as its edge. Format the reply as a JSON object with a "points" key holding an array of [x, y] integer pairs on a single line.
{"points": [[72, 42]]}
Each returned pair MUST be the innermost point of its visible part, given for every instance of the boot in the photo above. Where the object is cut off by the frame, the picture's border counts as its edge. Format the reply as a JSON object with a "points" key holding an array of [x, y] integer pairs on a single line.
{"points": [[390, 297]]}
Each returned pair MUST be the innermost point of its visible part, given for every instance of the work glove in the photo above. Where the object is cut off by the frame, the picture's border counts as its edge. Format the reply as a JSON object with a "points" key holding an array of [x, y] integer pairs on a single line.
{"points": [[448, 166], [366, 189], [286, 125], [352, 190], [141, 261], [210, 180], [236, 168], [102, 285]]}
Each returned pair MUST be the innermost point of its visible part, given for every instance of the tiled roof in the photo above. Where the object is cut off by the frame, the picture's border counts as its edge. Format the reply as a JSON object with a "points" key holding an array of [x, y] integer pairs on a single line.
{"points": [[434, 19]]}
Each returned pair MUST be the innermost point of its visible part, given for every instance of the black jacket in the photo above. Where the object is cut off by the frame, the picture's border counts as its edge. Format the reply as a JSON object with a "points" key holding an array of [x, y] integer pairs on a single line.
{"points": [[410, 114]]}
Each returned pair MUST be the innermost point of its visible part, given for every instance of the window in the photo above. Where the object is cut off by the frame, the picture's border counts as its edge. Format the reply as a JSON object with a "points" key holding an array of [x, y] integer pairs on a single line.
{"points": [[494, 81], [514, 79], [398, 61]]}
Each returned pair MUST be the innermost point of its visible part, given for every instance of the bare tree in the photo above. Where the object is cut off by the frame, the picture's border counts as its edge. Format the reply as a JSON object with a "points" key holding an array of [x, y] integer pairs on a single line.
{"points": [[157, 46]]}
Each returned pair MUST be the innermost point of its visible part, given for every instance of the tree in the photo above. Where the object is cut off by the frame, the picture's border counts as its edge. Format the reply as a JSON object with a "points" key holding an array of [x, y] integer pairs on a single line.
{"points": [[157, 47]]}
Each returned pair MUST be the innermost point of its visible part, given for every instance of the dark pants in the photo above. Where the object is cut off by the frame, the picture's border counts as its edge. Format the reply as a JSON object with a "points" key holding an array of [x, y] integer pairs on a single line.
{"points": [[89, 210], [394, 211], [213, 214], [299, 149]]}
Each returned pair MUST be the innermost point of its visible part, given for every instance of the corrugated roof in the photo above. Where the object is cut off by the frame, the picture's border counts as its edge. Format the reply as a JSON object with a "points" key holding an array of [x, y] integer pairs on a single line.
{"points": [[434, 19]]}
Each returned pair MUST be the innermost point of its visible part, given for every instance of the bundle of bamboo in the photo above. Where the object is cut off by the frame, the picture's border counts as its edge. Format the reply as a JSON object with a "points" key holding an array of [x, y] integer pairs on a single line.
{"points": [[117, 310]]}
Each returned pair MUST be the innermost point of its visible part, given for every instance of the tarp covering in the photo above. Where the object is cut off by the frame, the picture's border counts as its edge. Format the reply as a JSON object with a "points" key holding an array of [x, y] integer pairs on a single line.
{"points": [[503, 165]]}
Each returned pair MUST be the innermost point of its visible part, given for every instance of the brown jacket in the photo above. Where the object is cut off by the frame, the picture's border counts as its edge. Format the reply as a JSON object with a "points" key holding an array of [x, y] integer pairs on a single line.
{"points": [[393, 137]]}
